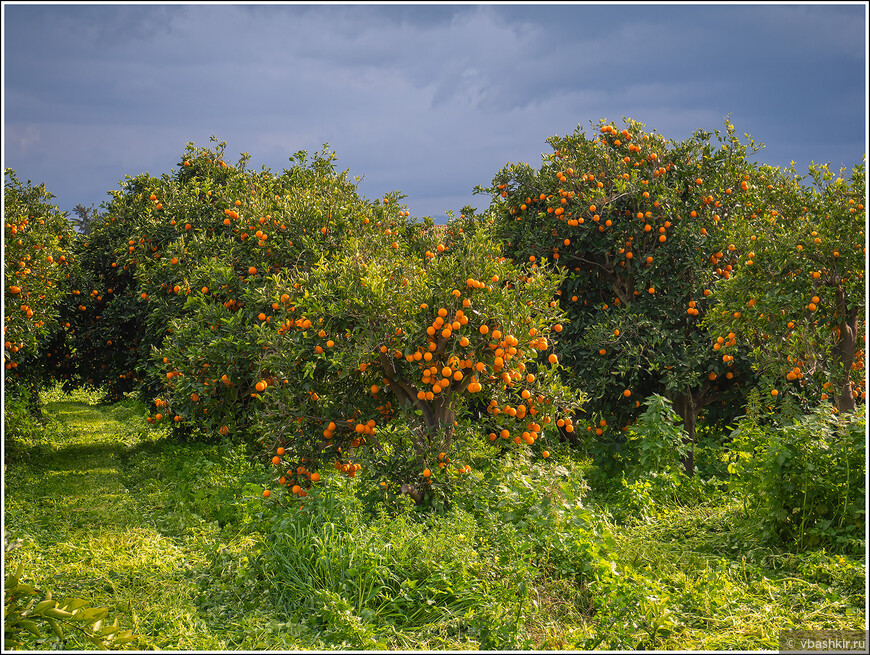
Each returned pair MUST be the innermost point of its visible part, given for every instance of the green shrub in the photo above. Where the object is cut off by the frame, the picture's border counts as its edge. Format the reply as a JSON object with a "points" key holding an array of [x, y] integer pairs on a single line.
{"points": [[653, 476], [805, 478], [27, 429]]}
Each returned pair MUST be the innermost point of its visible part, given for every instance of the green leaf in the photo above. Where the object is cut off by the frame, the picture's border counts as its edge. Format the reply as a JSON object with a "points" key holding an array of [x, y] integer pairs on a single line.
{"points": [[42, 606], [106, 631], [23, 589], [72, 604], [92, 614], [55, 626], [30, 626]]}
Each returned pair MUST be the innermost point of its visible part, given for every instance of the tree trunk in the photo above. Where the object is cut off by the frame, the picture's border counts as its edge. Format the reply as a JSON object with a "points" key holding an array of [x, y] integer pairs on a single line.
{"points": [[844, 352], [687, 406], [437, 416]]}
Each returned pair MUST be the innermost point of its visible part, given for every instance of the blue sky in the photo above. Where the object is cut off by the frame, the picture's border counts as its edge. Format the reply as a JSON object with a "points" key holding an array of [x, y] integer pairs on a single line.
{"points": [[426, 99]]}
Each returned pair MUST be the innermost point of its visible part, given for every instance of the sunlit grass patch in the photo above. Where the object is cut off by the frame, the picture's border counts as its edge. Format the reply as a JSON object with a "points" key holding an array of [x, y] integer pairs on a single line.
{"points": [[708, 581]]}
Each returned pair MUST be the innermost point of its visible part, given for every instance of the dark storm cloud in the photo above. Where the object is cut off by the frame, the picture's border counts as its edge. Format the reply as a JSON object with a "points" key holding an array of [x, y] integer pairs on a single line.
{"points": [[425, 99]]}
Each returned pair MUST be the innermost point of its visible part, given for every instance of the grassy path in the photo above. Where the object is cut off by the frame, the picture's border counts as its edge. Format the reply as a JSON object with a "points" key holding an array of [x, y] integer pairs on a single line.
{"points": [[85, 535]]}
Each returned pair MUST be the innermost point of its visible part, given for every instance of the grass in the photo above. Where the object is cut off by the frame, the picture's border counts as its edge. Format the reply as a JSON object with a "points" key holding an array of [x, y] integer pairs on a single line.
{"points": [[717, 588], [176, 540], [85, 534]]}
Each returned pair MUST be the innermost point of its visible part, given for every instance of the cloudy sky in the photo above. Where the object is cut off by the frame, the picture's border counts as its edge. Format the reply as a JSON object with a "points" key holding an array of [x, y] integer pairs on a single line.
{"points": [[426, 99]]}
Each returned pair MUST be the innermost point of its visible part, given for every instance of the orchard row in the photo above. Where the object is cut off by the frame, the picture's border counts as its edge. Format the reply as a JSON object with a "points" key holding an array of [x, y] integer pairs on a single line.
{"points": [[343, 334]]}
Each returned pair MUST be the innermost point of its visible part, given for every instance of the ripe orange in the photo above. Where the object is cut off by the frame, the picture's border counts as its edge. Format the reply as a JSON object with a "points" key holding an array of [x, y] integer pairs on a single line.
{"points": [[266, 493]]}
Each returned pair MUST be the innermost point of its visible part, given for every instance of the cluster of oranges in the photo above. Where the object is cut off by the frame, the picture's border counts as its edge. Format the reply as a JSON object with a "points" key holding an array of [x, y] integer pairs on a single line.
{"points": [[298, 480]]}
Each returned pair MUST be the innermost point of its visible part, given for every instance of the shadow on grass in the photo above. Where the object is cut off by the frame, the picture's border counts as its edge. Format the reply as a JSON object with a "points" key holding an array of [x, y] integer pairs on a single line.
{"points": [[83, 458]]}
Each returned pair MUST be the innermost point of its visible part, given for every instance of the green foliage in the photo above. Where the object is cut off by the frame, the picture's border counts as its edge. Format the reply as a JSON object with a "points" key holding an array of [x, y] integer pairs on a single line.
{"points": [[656, 443], [363, 575], [29, 621], [543, 500], [212, 483], [805, 478], [25, 429], [517, 559], [646, 476]]}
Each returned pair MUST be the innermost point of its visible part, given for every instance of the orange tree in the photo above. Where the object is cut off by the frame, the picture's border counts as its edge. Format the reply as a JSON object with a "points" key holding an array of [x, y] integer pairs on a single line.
{"points": [[638, 224], [797, 296], [377, 354], [36, 262]]}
